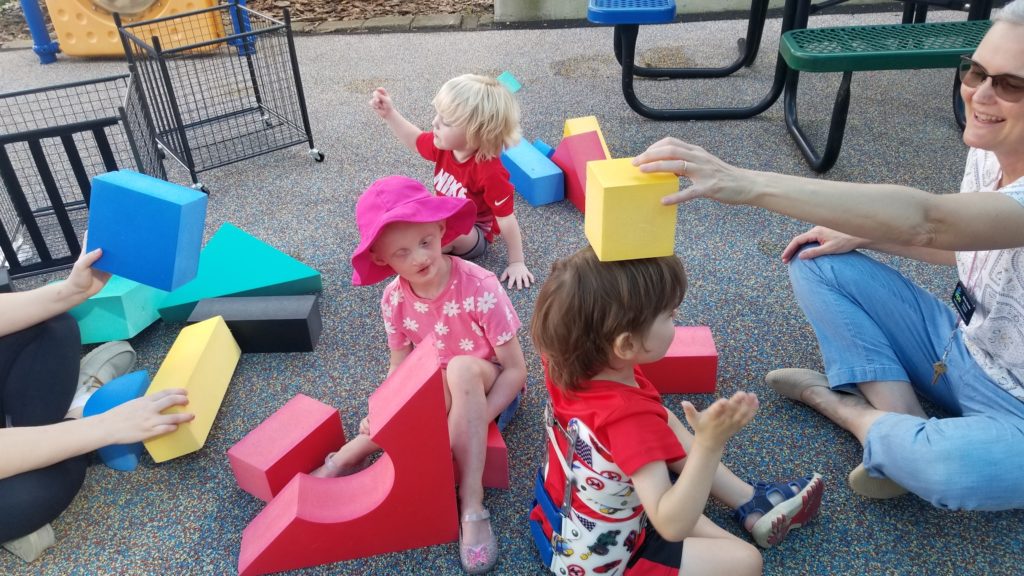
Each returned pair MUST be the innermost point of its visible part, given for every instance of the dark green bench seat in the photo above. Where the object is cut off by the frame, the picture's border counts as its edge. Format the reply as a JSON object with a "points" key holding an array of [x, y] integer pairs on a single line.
{"points": [[849, 49]]}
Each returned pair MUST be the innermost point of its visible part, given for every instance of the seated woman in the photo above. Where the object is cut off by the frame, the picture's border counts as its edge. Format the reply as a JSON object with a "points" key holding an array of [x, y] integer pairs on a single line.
{"points": [[887, 340], [44, 441]]}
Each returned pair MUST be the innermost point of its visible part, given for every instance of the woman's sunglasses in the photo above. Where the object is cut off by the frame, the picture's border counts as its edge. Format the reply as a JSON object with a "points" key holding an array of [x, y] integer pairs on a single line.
{"points": [[1008, 87]]}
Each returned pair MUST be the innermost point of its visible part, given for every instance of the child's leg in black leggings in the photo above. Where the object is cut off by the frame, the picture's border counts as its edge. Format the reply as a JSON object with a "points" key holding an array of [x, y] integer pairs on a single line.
{"points": [[38, 378]]}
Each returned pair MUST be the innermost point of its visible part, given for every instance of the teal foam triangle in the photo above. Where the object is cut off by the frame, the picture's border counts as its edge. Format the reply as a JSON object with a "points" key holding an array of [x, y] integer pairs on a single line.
{"points": [[234, 263]]}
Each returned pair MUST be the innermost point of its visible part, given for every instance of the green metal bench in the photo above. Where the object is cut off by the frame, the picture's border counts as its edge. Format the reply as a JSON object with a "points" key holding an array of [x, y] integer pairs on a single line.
{"points": [[850, 49]]}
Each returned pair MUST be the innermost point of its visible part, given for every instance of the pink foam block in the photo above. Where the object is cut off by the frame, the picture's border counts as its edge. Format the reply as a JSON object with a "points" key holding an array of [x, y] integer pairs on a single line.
{"points": [[404, 500], [572, 155], [689, 367], [294, 439], [496, 464]]}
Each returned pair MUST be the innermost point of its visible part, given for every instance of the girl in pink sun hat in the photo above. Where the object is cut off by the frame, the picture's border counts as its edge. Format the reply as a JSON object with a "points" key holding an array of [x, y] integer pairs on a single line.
{"points": [[403, 229]]}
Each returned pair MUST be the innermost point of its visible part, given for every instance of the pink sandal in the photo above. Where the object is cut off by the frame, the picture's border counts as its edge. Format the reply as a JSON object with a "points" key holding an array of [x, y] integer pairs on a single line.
{"points": [[481, 558]]}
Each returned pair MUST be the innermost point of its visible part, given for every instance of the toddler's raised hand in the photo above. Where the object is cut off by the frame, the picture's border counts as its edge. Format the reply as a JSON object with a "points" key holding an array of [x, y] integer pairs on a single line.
{"points": [[381, 103], [717, 423]]}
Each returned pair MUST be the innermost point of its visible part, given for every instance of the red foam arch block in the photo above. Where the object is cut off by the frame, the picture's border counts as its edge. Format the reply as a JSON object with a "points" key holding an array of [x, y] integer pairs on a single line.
{"points": [[403, 501], [572, 155], [689, 367], [292, 440], [496, 462]]}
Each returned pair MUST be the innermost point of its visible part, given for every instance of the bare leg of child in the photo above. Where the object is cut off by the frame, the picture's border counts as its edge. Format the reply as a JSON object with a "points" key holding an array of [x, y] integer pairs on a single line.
{"points": [[351, 458], [712, 550], [467, 382]]}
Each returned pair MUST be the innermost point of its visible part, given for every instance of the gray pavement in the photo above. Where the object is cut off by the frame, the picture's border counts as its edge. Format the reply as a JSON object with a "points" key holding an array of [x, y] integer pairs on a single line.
{"points": [[186, 516]]}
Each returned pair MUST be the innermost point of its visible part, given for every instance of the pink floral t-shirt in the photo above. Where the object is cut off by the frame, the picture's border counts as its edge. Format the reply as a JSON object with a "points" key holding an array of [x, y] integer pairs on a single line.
{"points": [[471, 317]]}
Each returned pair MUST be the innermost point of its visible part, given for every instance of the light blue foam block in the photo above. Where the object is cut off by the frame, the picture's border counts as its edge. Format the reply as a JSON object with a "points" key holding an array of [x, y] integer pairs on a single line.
{"points": [[121, 310], [533, 174], [123, 457], [509, 81], [150, 230]]}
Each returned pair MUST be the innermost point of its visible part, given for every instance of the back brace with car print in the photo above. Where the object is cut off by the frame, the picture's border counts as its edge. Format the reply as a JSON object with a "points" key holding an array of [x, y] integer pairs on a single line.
{"points": [[602, 540]]}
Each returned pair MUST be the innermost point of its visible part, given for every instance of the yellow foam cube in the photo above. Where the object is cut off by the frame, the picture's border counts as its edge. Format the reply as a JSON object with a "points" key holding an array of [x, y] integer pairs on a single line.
{"points": [[201, 360], [585, 124], [625, 218]]}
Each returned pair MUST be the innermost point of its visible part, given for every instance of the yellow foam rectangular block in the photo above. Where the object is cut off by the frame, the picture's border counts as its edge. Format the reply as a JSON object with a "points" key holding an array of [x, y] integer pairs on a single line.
{"points": [[575, 126], [625, 218], [201, 360]]}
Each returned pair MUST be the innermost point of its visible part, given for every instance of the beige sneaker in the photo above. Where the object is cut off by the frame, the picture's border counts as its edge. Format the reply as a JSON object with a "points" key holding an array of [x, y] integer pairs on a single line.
{"points": [[31, 547], [103, 364], [870, 487]]}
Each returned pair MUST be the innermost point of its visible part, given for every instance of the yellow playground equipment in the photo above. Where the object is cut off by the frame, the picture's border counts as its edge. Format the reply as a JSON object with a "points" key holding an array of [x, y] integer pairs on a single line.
{"points": [[86, 27]]}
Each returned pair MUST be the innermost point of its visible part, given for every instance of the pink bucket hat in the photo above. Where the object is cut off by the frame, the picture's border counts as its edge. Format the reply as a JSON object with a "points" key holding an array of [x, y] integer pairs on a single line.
{"points": [[402, 199]]}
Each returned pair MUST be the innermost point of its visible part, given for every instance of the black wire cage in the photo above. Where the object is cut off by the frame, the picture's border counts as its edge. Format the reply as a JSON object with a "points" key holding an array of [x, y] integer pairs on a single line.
{"points": [[53, 140], [222, 85]]}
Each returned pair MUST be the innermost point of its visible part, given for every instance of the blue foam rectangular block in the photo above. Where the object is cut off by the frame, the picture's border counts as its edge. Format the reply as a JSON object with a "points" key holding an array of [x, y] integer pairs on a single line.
{"points": [[533, 174], [123, 457], [543, 147], [150, 230]]}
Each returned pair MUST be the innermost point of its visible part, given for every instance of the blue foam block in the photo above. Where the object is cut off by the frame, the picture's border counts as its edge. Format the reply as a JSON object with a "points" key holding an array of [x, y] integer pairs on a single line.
{"points": [[533, 174], [123, 457], [509, 81], [150, 230], [543, 147]]}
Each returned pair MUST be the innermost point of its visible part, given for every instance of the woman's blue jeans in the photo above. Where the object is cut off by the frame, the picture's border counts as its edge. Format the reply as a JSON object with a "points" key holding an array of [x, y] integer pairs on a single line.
{"points": [[873, 324]]}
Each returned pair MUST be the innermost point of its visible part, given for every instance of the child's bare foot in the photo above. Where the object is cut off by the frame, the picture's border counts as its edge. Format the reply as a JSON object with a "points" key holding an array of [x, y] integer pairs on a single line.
{"points": [[333, 467]]}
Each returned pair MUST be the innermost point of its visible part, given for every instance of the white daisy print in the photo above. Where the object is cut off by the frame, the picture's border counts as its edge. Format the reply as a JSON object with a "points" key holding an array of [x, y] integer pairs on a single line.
{"points": [[411, 324], [505, 337], [508, 314], [389, 327], [466, 344], [439, 344], [451, 308], [387, 310], [467, 304], [476, 329], [396, 297], [486, 302], [421, 307], [440, 328]]}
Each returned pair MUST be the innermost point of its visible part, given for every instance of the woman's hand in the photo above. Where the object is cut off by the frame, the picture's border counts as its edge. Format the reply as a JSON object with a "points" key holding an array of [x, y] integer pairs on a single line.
{"points": [[712, 178], [829, 242], [84, 279], [714, 425], [142, 418]]}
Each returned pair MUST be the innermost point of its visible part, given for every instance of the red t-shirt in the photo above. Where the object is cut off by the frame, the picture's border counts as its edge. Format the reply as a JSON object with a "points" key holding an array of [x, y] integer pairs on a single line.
{"points": [[486, 183], [631, 423]]}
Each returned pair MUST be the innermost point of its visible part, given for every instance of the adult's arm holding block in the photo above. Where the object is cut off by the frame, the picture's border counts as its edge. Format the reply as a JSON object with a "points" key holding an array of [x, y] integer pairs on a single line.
{"points": [[266, 323], [292, 440], [689, 367], [201, 360]]}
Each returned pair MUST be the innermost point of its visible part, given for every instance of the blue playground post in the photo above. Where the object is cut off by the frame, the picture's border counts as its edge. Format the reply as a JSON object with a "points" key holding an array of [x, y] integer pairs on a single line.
{"points": [[45, 48], [241, 24]]}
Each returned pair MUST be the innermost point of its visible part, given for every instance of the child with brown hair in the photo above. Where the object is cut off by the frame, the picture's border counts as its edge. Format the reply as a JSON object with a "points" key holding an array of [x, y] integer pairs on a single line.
{"points": [[612, 506], [476, 119]]}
